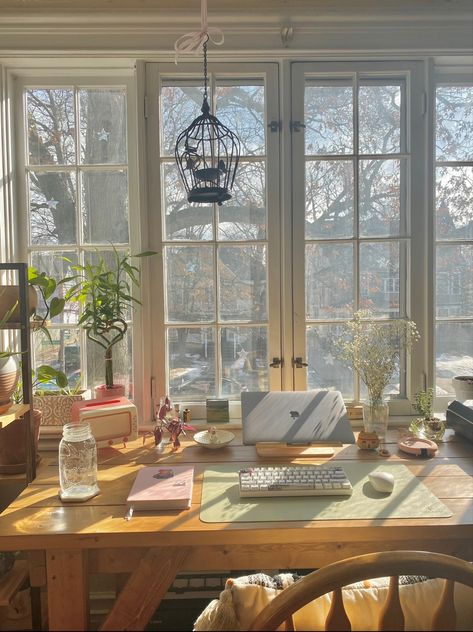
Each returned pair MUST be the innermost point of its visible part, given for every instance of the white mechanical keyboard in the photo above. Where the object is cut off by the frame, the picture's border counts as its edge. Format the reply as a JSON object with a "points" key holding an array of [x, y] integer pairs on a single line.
{"points": [[294, 480]]}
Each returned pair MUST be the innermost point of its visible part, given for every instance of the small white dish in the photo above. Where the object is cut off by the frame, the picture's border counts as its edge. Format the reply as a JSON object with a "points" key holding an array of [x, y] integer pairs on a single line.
{"points": [[220, 439]]}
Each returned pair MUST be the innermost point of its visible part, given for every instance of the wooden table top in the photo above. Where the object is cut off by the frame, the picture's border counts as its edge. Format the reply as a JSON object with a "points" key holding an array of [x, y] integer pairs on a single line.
{"points": [[37, 519]]}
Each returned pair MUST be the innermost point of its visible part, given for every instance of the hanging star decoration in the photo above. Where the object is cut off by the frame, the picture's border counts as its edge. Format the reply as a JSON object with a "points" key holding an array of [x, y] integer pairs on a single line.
{"points": [[103, 134], [52, 204]]}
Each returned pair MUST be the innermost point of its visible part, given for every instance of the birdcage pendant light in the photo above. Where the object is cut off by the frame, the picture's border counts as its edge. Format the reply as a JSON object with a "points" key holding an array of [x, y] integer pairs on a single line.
{"points": [[207, 155]]}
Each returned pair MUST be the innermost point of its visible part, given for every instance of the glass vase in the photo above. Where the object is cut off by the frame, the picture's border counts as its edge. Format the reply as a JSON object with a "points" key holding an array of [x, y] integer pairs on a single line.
{"points": [[375, 419]]}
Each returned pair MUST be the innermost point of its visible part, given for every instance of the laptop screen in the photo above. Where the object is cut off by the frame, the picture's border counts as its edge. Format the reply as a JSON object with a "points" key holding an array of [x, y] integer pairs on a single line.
{"points": [[295, 417]]}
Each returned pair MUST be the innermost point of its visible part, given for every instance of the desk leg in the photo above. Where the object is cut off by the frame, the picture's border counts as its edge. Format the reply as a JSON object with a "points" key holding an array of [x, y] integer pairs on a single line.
{"points": [[68, 591], [145, 589]]}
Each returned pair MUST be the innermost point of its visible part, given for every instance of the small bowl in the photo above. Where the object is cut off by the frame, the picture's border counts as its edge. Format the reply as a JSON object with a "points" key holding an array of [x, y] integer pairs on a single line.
{"points": [[222, 439]]}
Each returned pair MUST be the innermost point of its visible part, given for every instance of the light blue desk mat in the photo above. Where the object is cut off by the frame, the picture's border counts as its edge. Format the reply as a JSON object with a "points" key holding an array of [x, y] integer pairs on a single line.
{"points": [[409, 499]]}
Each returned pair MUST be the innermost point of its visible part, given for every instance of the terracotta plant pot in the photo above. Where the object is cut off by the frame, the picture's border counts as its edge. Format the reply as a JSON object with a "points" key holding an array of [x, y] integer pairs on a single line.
{"points": [[102, 392], [10, 294], [13, 444]]}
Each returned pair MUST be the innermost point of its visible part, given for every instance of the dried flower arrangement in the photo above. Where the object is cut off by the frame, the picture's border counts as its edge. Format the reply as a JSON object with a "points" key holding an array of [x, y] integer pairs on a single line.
{"points": [[373, 348]]}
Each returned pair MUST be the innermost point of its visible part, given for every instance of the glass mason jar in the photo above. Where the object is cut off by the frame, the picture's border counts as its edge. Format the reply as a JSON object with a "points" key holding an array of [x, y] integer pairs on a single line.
{"points": [[375, 419], [77, 462]]}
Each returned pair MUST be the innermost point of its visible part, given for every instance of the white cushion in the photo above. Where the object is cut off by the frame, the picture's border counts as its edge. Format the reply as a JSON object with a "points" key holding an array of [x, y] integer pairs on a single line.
{"points": [[363, 602]]}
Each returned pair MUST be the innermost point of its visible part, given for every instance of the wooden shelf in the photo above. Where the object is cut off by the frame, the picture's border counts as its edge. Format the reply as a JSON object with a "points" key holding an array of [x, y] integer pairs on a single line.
{"points": [[14, 412], [11, 583]]}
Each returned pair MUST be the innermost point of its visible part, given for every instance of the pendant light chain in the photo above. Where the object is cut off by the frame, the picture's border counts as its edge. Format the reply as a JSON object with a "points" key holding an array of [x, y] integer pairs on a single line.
{"points": [[204, 46]]}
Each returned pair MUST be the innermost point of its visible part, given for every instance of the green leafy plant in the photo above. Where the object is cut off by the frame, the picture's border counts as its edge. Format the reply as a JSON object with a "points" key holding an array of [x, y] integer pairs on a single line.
{"points": [[373, 348], [105, 292], [423, 403], [53, 306], [3, 322]]}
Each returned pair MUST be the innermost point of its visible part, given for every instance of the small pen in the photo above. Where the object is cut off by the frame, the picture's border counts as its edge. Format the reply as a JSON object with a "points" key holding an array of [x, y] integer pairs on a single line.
{"points": [[129, 513]]}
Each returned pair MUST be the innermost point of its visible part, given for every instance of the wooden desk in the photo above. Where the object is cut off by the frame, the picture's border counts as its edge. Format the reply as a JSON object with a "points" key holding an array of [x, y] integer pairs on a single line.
{"points": [[67, 542]]}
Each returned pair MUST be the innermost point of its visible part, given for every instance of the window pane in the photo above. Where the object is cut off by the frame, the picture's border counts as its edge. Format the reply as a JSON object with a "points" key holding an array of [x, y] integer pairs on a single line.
{"points": [[244, 216], [324, 370], [244, 359], [328, 119], [57, 265], [103, 126], [454, 115], [62, 354], [454, 354], [454, 202], [190, 283], [380, 197], [51, 126], [379, 278], [329, 281], [329, 199], [241, 108], [242, 283], [179, 107], [183, 220], [52, 207], [380, 119], [191, 353], [454, 275], [105, 206]]}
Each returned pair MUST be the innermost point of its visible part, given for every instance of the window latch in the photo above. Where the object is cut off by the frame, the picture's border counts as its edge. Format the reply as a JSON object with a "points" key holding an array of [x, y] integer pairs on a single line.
{"points": [[298, 363], [276, 363], [275, 126], [296, 126]]}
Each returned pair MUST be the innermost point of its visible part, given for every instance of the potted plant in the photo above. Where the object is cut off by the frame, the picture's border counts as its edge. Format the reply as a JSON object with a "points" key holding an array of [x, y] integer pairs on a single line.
{"points": [[9, 367], [463, 387], [372, 348], [105, 292], [53, 396], [428, 425]]}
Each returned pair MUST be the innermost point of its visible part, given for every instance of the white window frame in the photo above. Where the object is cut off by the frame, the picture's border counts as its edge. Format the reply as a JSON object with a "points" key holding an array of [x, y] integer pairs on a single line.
{"points": [[414, 232], [20, 80], [446, 74], [268, 72]]}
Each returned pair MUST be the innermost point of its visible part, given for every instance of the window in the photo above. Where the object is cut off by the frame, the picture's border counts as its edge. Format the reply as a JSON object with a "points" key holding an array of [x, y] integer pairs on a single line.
{"points": [[330, 213], [355, 160], [453, 233], [77, 199], [352, 144], [218, 286]]}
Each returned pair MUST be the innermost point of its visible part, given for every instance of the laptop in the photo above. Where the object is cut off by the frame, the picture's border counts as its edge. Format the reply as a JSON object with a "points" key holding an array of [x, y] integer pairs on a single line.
{"points": [[295, 417]]}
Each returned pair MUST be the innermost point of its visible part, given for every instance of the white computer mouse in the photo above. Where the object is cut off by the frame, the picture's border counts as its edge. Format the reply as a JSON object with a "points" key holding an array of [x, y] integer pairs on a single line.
{"points": [[382, 481]]}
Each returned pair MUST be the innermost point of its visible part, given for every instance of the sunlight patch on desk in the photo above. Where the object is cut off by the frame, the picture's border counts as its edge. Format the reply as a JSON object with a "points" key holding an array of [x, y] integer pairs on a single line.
{"points": [[410, 499]]}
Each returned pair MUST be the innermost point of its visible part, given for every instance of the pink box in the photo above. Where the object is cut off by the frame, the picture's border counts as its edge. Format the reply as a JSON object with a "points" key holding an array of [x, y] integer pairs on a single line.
{"points": [[111, 420]]}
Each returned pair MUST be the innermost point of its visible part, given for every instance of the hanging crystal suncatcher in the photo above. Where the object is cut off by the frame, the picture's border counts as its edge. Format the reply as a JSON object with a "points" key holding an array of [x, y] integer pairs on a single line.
{"points": [[207, 155]]}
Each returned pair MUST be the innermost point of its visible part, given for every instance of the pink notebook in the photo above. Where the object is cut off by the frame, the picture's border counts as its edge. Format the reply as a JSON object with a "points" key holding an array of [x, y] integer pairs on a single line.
{"points": [[162, 488]]}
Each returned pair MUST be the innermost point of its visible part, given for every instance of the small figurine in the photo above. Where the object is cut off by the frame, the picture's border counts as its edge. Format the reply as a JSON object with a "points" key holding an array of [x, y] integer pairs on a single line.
{"points": [[169, 418], [367, 440], [213, 434]]}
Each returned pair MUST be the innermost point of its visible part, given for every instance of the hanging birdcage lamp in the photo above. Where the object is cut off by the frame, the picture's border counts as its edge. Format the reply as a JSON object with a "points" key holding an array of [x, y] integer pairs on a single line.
{"points": [[207, 152]]}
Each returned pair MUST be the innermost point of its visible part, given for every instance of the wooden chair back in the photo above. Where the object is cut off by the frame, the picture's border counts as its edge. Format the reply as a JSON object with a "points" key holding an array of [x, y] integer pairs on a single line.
{"points": [[334, 577]]}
